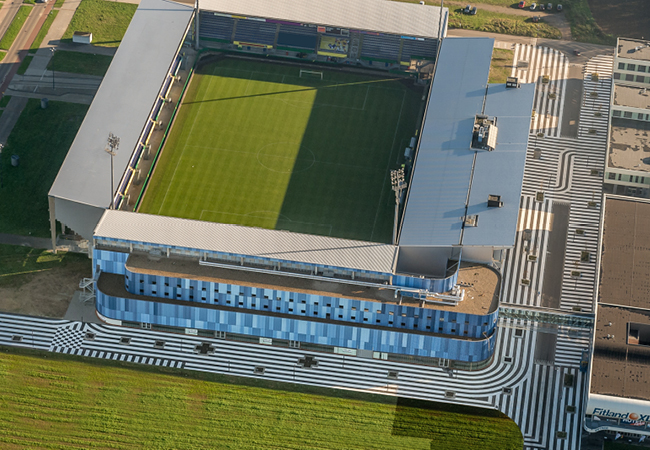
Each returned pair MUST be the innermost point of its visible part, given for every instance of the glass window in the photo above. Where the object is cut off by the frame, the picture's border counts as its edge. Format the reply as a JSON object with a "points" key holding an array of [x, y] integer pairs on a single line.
{"points": [[631, 67], [629, 77], [627, 114], [611, 176], [617, 76], [641, 68], [619, 177], [640, 78], [640, 116], [616, 113], [621, 66]]}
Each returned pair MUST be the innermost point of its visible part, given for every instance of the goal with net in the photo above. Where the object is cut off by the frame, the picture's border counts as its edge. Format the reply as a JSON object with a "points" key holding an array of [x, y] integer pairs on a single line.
{"points": [[311, 74]]}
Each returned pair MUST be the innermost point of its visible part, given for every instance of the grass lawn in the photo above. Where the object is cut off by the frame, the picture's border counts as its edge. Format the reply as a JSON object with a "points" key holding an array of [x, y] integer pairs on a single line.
{"points": [[106, 20], [255, 144], [60, 401], [14, 27], [5, 100], [41, 138], [501, 23], [501, 65], [24, 64], [76, 62], [16, 262], [583, 25], [43, 31]]}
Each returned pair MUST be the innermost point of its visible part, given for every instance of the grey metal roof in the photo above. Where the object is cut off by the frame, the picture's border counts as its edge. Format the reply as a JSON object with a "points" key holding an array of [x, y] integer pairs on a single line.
{"points": [[369, 15], [123, 102], [448, 175], [236, 239], [441, 178], [500, 172]]}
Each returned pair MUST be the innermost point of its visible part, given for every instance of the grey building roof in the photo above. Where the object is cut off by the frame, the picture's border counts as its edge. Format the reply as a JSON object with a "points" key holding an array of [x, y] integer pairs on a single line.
{"points": [[447, 174], [368, 15], [123, 102], [441, 177], [633, 49], [236, 239], [500, 172]]}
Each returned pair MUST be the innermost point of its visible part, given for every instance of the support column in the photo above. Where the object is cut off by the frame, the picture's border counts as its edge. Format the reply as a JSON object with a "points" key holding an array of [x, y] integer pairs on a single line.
{"points": [[196, 24], [52, 222]]}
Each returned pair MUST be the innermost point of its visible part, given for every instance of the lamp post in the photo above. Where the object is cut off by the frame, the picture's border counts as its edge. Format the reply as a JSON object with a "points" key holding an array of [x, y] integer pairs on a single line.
{"points": [[398, 185], [112, 144], [53, 50]]}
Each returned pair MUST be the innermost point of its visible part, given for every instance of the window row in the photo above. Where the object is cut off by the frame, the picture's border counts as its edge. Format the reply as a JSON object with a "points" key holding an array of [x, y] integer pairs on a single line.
{"points": [[630, 77], [633, 67]]}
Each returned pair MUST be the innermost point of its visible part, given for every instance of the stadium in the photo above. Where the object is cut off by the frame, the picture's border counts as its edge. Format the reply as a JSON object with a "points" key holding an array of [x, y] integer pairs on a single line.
{"points": [[335, 178]]}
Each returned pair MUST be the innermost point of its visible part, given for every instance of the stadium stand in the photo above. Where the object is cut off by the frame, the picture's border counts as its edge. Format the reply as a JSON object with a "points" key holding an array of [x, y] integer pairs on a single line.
{"points": [[254, 32], [418, 49], [380, 47], [216, 27], [297, 37]]}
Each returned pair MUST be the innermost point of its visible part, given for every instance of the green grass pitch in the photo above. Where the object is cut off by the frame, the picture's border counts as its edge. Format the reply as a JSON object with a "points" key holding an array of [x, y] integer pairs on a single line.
{"points": [[58, 401], [256, 144]]}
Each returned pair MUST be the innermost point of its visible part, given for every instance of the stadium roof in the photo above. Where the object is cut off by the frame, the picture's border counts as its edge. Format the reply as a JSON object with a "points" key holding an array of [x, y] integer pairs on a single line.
{"points": [[123, 102], [447, 174], [369, 15], [240, 240]]}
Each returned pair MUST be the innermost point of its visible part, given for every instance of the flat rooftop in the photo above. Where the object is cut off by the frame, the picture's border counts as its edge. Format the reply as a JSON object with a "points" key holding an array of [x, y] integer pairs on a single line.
{"points": [[448, 175], [633, 97], [481, 283], [625, 258], [629, 145], [633, 49], [621, 358]]}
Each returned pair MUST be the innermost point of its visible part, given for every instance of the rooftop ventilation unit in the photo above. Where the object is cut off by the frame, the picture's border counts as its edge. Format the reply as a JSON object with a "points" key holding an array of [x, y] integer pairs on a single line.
{"points": [[471, 221], [512, 82], [484, 134], [494, 201]]}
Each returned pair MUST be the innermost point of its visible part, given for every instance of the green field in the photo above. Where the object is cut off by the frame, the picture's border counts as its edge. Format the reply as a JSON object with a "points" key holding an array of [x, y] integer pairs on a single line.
{"points": [[77, 62], [255, 144], [106, 20], [54, 401], [41, 139]]}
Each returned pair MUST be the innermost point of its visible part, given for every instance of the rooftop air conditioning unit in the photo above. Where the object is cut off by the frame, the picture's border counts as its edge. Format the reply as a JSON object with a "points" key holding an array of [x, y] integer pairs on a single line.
{"points": [[494, 201]]}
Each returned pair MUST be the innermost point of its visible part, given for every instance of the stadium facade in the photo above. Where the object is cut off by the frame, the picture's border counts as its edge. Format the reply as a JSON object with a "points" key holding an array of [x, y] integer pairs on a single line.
{"points": [[431, 298]]}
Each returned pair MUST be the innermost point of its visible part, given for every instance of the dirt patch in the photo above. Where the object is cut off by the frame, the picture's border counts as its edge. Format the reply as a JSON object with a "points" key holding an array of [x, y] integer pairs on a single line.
{"points": [[47, 293], [626, 18]]}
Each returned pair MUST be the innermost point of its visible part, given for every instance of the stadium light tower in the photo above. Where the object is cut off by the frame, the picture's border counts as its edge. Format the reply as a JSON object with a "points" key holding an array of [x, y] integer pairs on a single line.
{"points": [[112, 144], [398, 185]]}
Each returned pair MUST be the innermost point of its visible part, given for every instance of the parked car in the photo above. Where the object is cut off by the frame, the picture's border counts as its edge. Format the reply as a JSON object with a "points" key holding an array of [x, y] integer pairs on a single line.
{"points": [[559, 7], [467, 9], [533, 6], [522, 4], [577, 52], [535, 19], [541, 7], [549, 7], [473, 12]]}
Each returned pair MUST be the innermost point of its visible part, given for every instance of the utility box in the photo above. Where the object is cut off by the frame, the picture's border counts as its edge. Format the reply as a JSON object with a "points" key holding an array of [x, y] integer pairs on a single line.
{"points": [[82, 37]]}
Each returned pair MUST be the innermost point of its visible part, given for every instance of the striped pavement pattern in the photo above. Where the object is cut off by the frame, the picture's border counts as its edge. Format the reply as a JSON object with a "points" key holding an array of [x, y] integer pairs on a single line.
{"points": [[531, 64], [533, 395]]}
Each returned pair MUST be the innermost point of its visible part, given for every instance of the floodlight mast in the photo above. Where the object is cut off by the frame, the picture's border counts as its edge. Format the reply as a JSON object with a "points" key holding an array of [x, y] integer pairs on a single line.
{"points": [[398, 185], [112, 145]]}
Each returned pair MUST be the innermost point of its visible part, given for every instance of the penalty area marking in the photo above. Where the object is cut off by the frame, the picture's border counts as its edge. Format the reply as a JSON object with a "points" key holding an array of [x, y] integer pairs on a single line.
{"points": [[293, 168]]}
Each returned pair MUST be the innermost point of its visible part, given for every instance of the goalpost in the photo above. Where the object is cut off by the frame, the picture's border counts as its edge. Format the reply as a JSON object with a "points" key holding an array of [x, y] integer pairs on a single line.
{"points": [[311, 74]]}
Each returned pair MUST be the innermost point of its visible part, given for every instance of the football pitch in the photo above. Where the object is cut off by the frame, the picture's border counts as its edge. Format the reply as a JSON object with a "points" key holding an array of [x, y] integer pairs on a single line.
{"points": [[265, 145]]}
